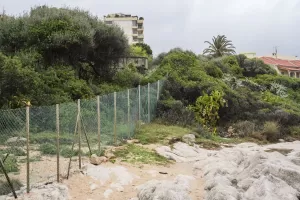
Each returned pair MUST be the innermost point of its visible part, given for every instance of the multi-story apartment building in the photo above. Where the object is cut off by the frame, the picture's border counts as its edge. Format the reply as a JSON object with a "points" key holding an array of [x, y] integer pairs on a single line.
{"points": [[133, 26]]}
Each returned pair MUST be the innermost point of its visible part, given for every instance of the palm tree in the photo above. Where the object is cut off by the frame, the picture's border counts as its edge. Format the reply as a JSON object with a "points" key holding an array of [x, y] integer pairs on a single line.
{"points": [[219, 47]]}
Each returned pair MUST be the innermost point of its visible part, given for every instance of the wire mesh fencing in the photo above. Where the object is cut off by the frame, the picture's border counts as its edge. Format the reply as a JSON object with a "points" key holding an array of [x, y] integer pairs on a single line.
{"points": [[44, 144]]}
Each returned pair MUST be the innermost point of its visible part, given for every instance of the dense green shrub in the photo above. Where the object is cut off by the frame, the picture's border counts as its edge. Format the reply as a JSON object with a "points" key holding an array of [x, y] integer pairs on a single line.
{"points": [[17, 151], [207, 107], [11, 164], [254, 66], [271, 131], [48, 149], [174, 112], [213, 71], [244, 128], [67, 152]]}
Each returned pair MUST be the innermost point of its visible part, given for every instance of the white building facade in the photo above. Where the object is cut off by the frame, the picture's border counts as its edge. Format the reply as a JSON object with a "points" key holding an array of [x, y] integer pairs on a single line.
{"points": [[133, 26]]}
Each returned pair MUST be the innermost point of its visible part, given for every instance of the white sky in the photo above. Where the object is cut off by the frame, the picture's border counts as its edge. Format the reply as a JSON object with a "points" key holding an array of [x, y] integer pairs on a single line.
{"points": [[252, 25]]}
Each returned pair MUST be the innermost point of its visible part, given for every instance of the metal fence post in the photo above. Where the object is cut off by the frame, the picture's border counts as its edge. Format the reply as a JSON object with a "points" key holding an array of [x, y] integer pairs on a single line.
{"points": [[149, 117], [79, 133], [128, 110], [27, 144], [139, 117], [157, 90], [57, 141], [99, 125], [115, 118]]}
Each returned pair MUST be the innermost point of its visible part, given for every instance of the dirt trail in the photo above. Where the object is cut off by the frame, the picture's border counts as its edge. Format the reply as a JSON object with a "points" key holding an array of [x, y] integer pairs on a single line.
{"points": [[80, 185]]}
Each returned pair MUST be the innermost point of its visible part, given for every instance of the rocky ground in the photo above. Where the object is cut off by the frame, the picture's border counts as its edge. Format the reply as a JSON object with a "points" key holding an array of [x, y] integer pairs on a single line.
{"points": [[246, 171], [243, 172]]}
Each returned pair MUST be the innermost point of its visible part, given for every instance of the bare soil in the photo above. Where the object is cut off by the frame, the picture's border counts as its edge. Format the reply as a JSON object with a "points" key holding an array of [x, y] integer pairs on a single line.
{"points": [[79, 184]]}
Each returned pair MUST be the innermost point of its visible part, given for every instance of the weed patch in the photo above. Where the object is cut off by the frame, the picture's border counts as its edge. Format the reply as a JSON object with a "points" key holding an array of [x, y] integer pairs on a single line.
{"points": [[137, 154], [157, 133]]}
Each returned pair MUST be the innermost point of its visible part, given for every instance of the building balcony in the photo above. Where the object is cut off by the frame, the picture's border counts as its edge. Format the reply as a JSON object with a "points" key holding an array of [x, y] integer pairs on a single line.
{"points": [[140, 21], [134, 27], [141, 36]]}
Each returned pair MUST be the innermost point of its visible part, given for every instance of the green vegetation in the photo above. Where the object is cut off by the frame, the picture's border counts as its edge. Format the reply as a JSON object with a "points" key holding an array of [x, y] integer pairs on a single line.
{"points": [[48, 149], [207, 109], [17, 151], [67, 152], [158, 133], [138, 154], [5, 188], [54, 55], [252, 90], [10, 164], [271, 131]]}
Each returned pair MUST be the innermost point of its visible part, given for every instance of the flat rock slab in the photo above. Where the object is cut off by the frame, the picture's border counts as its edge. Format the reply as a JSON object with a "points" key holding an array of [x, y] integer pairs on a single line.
{"points": [[246, 171], [42, 192]]}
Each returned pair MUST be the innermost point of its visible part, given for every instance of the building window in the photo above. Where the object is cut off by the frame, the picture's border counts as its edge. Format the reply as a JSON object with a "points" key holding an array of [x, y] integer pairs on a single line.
{"points": [[282, 73], [134, 23]]}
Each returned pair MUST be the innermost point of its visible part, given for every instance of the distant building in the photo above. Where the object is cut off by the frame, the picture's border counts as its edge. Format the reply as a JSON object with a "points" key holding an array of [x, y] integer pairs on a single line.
{"points": [[289, 67], [133, 26], [250, 54]]}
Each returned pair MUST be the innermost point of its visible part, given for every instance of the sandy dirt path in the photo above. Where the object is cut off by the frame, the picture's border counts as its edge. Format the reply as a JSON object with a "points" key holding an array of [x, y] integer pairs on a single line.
{"points": [[80, 185]]}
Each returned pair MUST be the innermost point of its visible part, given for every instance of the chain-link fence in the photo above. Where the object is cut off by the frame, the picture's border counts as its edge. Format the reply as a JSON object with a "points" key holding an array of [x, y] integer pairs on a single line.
{"points": [[42, 144]]}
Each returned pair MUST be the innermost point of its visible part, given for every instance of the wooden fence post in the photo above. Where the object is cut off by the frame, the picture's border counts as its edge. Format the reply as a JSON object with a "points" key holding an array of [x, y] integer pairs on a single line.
{"points": [[79, 132], [158, 90], [99, 125], [149, 117], [27, 144], [115, 118], [57, 139], [128, 111], [139, 117]]}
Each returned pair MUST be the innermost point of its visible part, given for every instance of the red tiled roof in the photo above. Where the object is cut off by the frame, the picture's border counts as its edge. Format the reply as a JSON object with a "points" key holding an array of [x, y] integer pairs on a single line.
{"points": [[282, 64]]}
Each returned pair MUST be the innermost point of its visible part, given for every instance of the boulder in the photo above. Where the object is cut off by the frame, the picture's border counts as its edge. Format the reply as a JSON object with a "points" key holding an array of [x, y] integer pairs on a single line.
{"points": [[164, 190], [95, 160], [109, 154], [281, 140], [189, 139], [19, 141]]}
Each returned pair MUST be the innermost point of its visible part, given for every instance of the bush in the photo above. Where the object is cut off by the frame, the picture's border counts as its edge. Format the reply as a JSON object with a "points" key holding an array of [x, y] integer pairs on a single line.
{"points": [[11, 164], [271, 131], [174, 112], [5, 188], [17, 151], [48, 149], [244, 128], [67, 152], [202, 132], [213, 71], [295, 131]]}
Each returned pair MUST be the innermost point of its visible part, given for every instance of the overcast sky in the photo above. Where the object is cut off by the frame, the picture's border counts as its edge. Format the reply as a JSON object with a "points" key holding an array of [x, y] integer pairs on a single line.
{"points": [[252, 25]]}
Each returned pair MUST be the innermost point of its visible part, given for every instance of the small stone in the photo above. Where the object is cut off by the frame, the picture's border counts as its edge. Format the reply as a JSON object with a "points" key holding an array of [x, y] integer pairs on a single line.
{"points": [[189, 139], [281, 140], [133, 141], [95, 160], [93, 187], [107, 193]]}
